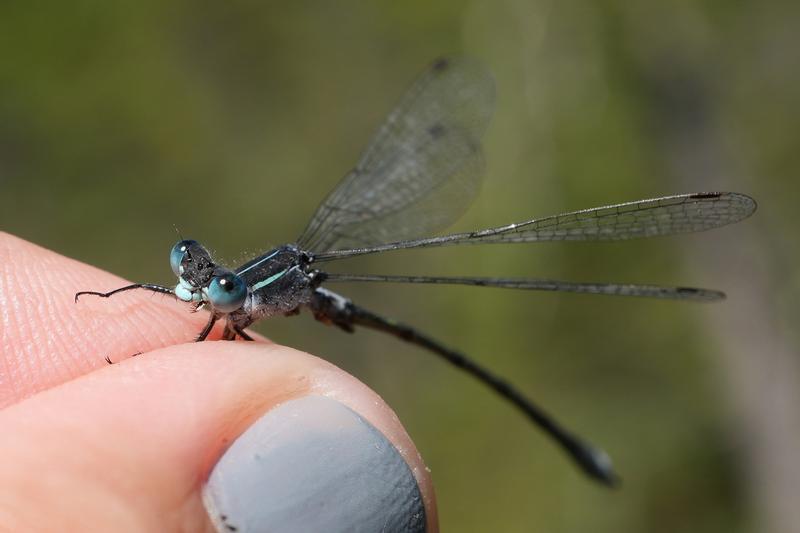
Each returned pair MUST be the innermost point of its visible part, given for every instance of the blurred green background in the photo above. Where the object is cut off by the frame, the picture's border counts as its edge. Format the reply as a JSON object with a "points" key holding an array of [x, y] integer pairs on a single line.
{"points": [[231, 121]]}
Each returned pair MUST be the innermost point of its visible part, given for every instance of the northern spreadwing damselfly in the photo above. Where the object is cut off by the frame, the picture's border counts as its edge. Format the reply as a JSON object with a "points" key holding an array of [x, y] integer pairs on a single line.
{"points": [[418, 174]]}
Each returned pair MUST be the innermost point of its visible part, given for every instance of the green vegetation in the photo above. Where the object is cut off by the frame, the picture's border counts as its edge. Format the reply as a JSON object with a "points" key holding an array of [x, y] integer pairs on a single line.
{"points": [[231, 121]]}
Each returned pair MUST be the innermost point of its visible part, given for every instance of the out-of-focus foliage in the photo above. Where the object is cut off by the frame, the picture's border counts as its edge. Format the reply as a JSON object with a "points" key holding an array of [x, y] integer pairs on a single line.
{"points": [[231, 121]]}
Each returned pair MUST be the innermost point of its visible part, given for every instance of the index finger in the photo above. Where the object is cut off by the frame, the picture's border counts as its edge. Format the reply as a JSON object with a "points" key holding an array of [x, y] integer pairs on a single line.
{"points": [[47, 338]]}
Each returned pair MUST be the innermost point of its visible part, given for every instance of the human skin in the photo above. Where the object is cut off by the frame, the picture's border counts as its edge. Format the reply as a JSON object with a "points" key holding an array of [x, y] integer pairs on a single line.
{"points": [[128, 447]]}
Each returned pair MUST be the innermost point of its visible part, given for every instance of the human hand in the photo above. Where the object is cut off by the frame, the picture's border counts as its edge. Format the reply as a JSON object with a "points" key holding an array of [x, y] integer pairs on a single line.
{"points": [[238, 436]]}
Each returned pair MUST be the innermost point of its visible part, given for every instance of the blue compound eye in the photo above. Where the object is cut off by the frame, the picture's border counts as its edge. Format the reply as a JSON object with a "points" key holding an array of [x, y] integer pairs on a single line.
{"points": [[227, 292], [177, 254]]}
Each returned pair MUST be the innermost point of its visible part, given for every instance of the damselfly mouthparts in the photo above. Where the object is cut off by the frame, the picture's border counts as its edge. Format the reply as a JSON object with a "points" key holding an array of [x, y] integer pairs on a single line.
{"points": [[421, 170]]}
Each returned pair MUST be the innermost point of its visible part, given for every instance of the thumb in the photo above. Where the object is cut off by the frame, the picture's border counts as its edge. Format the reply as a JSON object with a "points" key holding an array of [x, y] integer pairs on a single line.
{"points": [[211, 436]]}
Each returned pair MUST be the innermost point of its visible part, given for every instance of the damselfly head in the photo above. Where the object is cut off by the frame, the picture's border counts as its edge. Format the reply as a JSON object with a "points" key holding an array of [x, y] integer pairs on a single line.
{"points": [[201, 280], [193, 265]]}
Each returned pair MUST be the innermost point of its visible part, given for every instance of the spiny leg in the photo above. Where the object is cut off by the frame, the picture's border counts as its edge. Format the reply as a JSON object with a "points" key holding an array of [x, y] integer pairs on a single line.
{"points": [[232, 331], [207, 329], [242, 333], [110, 362], [147, 286], [228, 334]]}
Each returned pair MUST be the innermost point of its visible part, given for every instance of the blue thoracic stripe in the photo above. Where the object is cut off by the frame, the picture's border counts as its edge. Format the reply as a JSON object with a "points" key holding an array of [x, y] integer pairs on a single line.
{"points": [[270, 256], [269, 280]]}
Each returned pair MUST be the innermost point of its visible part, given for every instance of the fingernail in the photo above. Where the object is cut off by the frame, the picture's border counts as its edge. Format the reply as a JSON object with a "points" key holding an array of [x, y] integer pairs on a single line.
{"points": [[313, 464]]}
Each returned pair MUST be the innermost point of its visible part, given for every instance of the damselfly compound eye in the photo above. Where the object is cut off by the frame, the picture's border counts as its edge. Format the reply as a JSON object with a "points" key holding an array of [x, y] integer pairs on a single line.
{"points": [[177, 254], [227, 292]]}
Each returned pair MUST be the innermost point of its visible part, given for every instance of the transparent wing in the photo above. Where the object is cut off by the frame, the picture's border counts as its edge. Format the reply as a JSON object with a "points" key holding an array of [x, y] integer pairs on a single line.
{"points": [[668, 215], [421, 170], [613, 289]]}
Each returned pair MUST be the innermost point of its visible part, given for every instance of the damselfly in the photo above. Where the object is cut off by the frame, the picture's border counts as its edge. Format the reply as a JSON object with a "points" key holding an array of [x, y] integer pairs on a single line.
{"points": [[419, 173]]}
